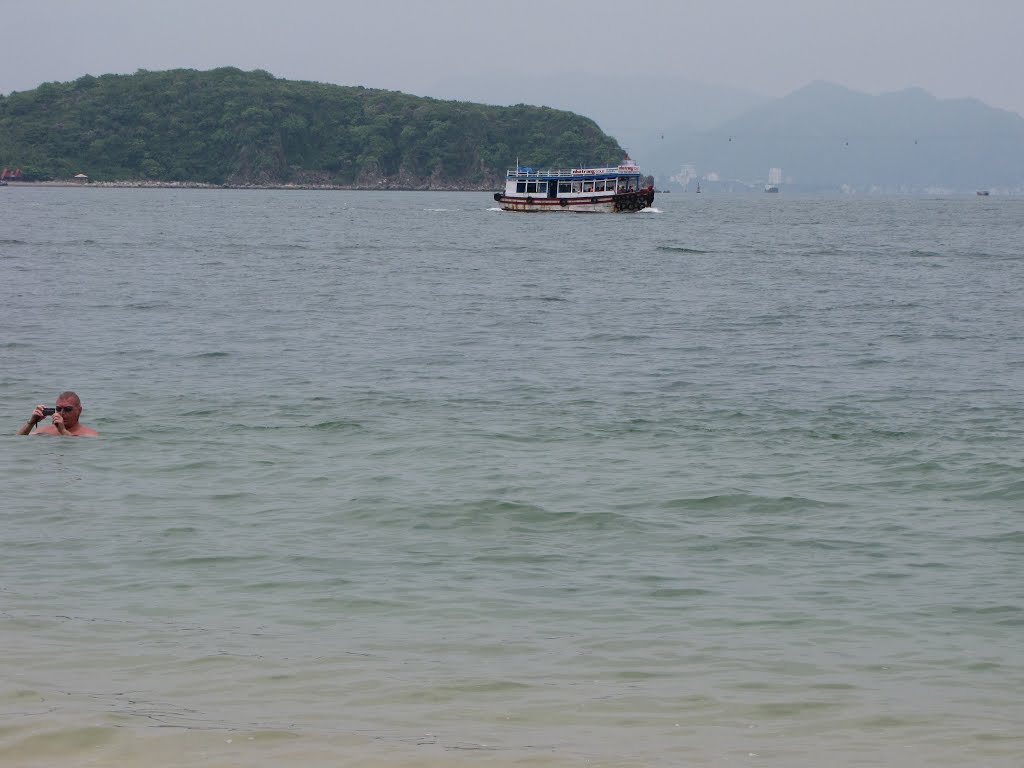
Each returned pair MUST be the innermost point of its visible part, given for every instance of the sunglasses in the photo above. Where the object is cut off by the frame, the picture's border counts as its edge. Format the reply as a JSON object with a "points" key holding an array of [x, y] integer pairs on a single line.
{"points": [[65, 409]]}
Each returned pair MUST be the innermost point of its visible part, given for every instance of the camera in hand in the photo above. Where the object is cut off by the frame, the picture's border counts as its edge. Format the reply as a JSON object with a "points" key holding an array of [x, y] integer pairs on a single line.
{"points": [[49, 412]]}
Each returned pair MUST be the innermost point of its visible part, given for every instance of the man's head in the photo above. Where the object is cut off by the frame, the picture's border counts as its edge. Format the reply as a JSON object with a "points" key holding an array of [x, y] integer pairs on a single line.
{"points": [[69, 400]]}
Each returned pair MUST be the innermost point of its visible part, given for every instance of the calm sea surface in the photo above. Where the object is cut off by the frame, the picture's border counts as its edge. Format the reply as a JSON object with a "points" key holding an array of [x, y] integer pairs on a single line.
{"points": [[399, 479]]}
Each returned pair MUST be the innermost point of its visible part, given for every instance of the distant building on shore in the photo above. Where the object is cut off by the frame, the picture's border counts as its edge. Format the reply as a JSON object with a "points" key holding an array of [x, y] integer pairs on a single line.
{"points": [[81, 178]]}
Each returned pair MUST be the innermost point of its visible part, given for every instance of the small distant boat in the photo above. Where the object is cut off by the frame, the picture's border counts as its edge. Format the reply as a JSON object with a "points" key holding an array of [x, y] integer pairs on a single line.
{"points": [[584, 190], [698, 187], [983, 193], [771, 188]]}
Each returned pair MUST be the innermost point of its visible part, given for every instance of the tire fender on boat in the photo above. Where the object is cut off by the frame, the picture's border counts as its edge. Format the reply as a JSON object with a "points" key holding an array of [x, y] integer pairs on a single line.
{"points": [[563, 202]]}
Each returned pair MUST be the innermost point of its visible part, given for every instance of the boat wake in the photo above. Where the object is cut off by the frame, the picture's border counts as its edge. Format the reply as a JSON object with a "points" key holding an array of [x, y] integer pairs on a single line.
{"points": [[652, 209]]}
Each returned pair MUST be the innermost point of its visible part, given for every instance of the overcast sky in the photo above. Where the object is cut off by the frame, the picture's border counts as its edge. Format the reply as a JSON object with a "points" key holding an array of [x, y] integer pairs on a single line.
{"points": [[952, 48]]}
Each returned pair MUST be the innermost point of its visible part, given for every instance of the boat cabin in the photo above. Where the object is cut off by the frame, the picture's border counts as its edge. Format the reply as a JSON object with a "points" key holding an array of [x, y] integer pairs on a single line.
{"points": [[573, 182]]}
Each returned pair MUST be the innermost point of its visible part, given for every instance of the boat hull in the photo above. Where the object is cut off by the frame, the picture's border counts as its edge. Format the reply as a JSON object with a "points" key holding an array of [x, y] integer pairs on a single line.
{"points": [[618, 203]]}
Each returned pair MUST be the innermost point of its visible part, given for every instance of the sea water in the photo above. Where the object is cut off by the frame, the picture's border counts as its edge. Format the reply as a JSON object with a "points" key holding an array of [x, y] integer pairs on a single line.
{"points": [[400, 479]]}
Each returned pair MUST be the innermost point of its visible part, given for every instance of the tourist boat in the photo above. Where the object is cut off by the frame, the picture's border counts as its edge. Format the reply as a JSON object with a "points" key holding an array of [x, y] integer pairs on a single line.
{"points": [[582, 190], [982, 193]]}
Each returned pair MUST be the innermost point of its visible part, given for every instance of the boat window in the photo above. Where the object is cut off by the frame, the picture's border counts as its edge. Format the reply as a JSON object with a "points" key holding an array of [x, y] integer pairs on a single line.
{"points": [[577, 186], [520, 186], [564, 186], [531, 186], [542, 187], [588, 186]]}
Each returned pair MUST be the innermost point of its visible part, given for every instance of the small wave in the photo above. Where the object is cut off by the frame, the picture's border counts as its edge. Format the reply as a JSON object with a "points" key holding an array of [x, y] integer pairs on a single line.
{"points": [[748, 501], [889, 721], [213, 560], [1012, 491], [274, 247], [617, 337], [1002, 615], [494, 209], [1014, 537], [790, 708], [336, 425], [664, 592], [679, 249], [203, 355], [652, 209], [65, 742]]}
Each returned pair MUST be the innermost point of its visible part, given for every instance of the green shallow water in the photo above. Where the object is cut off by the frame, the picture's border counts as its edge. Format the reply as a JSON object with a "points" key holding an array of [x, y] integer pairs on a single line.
{"points": [[396, 479]]}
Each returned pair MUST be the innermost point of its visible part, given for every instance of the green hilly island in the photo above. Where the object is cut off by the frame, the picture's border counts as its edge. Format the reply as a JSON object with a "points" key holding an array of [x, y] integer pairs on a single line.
{"points": [[226, 126]]}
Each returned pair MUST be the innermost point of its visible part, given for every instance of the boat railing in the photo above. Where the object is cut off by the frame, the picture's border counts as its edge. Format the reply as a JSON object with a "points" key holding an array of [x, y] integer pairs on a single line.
{"points": [[530, 173]]}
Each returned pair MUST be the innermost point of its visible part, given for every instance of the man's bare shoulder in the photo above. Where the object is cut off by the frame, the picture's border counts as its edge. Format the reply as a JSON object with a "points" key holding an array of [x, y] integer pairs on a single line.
{"points": [[80, 431]]}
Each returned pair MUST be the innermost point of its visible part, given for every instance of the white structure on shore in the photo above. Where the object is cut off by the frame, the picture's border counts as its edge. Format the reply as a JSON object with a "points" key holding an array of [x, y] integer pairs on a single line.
{"points": [[686, 174]]}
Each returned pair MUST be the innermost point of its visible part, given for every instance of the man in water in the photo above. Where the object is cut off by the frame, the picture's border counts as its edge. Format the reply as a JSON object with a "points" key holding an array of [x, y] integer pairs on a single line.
{"points": [[65, 418]]}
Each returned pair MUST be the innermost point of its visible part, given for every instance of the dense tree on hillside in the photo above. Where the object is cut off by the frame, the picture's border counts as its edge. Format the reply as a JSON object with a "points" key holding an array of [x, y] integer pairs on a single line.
{"points": [[226, 126]]}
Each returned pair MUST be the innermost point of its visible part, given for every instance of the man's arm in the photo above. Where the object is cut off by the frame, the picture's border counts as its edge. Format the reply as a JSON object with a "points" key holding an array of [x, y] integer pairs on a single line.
{"points": [[35, 418]]}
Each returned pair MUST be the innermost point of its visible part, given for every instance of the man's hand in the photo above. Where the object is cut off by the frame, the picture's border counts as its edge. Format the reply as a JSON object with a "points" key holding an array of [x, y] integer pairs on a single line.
{"points": [[58, 422], [37, 415], [35, 418]]}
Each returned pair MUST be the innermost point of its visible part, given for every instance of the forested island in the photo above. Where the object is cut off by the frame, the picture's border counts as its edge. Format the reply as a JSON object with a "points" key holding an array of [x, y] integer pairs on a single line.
{"points": [[235, 128]]}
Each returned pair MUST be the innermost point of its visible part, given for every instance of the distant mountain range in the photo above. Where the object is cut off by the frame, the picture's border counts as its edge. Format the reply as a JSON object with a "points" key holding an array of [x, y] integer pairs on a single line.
{"points": [[820, 136], [637, 108], [824, 135]]}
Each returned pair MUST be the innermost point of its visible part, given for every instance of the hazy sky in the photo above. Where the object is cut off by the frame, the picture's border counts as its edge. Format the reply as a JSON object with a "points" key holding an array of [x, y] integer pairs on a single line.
{"points": [[952, 48]]}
